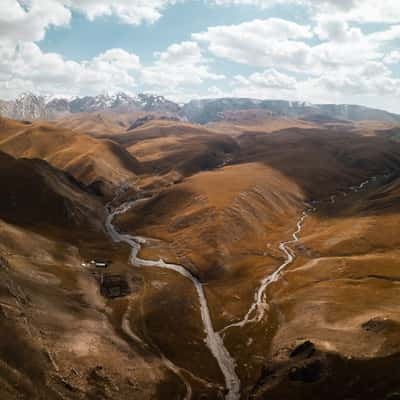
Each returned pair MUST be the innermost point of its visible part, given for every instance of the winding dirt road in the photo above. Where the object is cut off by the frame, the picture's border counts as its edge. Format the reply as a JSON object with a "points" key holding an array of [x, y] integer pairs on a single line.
{"points": [[213, 339]]}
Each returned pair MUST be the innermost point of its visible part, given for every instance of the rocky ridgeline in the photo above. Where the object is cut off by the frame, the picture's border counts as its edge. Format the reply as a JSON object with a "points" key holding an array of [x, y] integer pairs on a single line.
{"points": [[32, 107]]}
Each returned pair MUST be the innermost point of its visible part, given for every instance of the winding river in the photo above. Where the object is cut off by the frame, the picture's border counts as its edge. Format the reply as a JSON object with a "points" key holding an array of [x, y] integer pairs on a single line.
{"points": [[259, 306], [213, 339]]}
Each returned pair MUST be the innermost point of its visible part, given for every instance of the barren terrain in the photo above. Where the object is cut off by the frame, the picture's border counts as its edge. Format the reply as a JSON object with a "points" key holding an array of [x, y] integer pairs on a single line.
{"points": [[268, 248]]}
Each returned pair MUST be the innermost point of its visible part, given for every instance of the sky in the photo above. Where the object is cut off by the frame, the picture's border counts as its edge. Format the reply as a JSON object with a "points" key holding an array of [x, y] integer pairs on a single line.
{"points": [[320, 51]]}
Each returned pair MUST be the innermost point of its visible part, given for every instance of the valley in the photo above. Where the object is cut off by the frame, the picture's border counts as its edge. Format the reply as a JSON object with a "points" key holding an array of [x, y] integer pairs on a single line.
{"points": [[260, 253]]}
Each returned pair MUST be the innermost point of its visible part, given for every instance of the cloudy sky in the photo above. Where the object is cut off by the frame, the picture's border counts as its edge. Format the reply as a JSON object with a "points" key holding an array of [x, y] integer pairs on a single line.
{"points": [[342, 51]]}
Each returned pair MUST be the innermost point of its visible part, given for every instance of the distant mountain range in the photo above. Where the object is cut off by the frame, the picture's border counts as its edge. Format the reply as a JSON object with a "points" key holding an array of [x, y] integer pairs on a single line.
{"points": [[32, 107]]}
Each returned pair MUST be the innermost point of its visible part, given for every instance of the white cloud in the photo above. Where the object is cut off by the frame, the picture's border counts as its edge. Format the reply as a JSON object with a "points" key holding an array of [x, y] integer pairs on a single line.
{"points": [[129, 11], [341, 4], [266, 43], [31, 22], [284, 45], [270, 79], [180, 64], [118, 58], [371, 79], [28, 20], [25, 67], [372, 84], [387, 11], [48, 73], [393, 57]]}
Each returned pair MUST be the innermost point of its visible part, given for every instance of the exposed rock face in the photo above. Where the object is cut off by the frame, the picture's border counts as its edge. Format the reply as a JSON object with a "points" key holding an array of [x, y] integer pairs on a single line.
{"points": [[203, 111], [31, 107], [306, 349]]}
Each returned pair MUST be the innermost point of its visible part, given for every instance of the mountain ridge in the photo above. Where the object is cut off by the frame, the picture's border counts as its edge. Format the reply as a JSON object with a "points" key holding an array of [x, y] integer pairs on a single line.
{"points": [[29, 106]]}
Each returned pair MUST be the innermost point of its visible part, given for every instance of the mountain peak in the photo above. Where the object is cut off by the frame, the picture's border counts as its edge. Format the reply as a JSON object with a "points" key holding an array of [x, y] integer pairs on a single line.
{"points": [[32, 107]]}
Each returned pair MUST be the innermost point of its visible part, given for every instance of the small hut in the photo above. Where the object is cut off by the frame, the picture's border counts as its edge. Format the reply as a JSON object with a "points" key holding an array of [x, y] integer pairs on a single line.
{"points": [[100, 263]]}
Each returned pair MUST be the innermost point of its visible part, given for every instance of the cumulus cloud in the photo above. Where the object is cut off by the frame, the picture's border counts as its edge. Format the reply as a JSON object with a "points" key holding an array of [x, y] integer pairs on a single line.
{"points": [[329, 54], [371, 79], [129, 11], [180, 64], [25, 66], [29, 20], [393, 57], [270, 79], [266, 43], [285, 45], [29, 23]]}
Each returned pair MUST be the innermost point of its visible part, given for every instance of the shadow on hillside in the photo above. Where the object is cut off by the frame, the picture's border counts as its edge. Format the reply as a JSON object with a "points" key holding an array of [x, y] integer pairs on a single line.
{"points": [[325, 162]]}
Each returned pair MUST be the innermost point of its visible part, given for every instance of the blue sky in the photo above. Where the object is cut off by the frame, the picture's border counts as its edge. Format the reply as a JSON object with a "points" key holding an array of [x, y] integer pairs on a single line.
{"points": [[308, 50]]}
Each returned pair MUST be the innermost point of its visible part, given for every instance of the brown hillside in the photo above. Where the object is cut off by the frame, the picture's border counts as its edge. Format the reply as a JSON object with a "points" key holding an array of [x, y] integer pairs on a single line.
{"points": [[37, 194], [98, 123], [170, 146], [320, 161], [218, 220], [88, 159]]}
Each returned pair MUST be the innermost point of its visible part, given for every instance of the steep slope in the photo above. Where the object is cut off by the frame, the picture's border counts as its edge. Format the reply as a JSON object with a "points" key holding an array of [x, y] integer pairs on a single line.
{"points": [[59, 338], [176, 148], [92, 161], [38, 195]]}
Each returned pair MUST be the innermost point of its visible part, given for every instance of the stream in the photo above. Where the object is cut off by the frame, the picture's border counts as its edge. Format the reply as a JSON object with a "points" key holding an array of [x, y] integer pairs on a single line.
{"points": [[213, 339]]}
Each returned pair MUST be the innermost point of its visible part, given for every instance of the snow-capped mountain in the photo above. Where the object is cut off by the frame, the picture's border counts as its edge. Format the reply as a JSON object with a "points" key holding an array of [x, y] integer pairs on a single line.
{"points": [[31, 107], [203, 111]]}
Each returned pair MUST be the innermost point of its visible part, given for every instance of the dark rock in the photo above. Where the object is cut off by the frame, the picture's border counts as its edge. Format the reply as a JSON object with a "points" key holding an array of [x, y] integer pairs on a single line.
{"points": [[308, 373], [306, 349], [376, 325], [98, 376], [3, 262], [114, 285]]}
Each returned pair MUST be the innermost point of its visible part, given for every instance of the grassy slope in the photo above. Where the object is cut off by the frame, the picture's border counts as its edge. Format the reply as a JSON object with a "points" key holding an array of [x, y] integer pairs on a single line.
{"points": [[86, 158]]}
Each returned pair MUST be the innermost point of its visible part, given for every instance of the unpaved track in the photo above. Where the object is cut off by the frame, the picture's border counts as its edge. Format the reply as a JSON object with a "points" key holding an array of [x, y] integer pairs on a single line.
{"points": [[256, 312], [213, 339]]}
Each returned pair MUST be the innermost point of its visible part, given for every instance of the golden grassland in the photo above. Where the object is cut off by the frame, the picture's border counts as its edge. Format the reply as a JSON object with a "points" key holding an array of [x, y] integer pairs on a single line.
{"points": [[224, 197]]}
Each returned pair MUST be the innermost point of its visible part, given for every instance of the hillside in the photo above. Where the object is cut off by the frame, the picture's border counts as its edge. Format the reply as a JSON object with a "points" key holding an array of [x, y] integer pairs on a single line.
{"points": [[226, 226], [341, 296], [217, 220], [222, 203], [59, 338], [38, 195], [173, 149], [100, 163]]}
